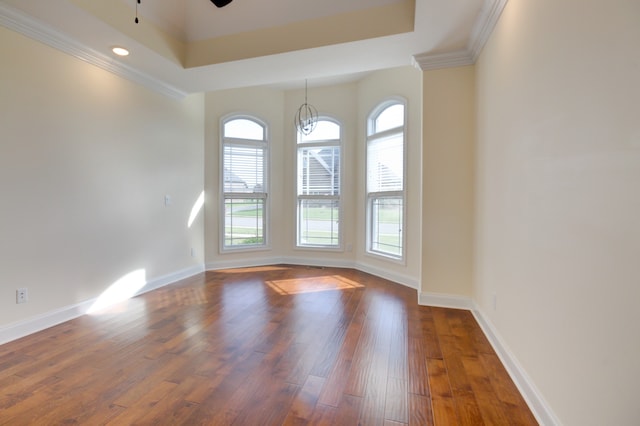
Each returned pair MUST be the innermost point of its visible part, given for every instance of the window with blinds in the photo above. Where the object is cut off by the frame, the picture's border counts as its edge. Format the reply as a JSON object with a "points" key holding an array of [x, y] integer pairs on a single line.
{"points": [[318, 186], [244, 183], [385, 180]]}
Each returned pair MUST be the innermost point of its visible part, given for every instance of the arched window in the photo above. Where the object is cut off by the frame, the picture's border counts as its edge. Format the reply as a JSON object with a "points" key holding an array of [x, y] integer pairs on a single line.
{"points": [[385, 179], [318, 186], [244, 183]]}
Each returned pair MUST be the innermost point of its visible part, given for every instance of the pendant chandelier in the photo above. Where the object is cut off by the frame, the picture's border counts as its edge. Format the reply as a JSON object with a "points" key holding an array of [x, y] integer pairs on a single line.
{"points": [[307, 116]]}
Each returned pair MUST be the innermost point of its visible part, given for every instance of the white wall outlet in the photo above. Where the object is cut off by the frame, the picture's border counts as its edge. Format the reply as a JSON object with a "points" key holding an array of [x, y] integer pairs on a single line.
{"points": [[193, 252], [22, 296], [167, 200]]}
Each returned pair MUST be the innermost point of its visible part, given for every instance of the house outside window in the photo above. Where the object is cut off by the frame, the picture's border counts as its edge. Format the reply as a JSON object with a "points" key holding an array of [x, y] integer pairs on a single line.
{"points": [[244, 183], [385, 180], [319, 186]]}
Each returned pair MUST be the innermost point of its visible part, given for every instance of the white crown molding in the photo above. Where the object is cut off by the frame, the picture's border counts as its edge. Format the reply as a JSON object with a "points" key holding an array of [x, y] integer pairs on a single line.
{"points": [[538, 405], [434, 61], [489, 15], [19, 22], [482, 29], [32, 325]]}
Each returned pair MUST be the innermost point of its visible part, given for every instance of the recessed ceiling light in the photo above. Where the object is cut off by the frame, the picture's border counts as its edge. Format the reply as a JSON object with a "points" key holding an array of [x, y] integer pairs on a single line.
{"points": [[120, 51]]}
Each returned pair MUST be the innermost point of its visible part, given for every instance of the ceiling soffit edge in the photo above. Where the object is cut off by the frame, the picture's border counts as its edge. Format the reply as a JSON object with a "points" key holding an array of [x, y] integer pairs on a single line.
{"points": [[381, 21]]}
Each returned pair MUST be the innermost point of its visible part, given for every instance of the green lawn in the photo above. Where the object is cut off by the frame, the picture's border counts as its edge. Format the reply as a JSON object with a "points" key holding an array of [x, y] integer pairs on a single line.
{"points": [[390, 215]]}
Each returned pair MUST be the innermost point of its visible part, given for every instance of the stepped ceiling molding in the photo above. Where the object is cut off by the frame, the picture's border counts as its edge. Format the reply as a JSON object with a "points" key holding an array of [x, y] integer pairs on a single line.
{"points": [[189, 46]]}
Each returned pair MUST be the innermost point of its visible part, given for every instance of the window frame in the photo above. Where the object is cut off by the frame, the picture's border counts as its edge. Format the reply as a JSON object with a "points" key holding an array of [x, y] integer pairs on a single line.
{"points": [[329, 143], [224, 195], [372, 196]]}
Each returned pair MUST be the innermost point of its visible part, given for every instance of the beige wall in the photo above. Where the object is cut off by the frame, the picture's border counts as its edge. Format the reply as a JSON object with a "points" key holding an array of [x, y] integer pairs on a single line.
{"points": [[558, 187], [448, 181], [86, 159]]}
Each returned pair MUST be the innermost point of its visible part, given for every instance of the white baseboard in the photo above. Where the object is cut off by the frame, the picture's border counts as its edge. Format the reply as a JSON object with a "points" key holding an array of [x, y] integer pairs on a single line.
{"points": [[445, 301], [534, 399], [170, 278], [540, 408], [319, 262], [264, 261], [406, 281], [243, 263], [327, 262], [32, 325], [41, 322]]}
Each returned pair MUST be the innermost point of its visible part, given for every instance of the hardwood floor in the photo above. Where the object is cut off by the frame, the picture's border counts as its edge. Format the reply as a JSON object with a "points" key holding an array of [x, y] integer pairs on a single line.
{"points": [[280, 345]]}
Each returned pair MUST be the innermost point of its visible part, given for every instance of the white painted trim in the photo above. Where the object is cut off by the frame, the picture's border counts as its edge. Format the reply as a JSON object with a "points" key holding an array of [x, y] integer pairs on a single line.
{"points": [[486, 22], [243, 263], [388, 275], [49, 319], [430, 61], [445, 300], [319, 262], [41, 322], [171, 278], [268, 261], [32, 325], [482, 29], [538, 405], [19, 22], [329, 263]]}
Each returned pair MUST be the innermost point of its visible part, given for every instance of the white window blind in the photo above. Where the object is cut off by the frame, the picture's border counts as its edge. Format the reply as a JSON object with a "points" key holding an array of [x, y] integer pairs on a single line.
{"points": [[319, 171], [385, 164], [243, 168]]}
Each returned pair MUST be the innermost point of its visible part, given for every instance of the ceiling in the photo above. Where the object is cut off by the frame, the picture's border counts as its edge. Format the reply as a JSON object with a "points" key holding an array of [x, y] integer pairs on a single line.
{"points": [[188, 46]]}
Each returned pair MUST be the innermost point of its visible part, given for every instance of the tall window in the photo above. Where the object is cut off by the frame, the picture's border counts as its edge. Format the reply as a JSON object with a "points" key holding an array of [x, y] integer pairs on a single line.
{"points": [[244, 183], [385, 179], [318, 186]]}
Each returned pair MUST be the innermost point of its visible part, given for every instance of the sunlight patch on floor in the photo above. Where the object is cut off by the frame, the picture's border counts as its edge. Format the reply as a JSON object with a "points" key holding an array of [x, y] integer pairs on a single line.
{"points": [[312, 285]]}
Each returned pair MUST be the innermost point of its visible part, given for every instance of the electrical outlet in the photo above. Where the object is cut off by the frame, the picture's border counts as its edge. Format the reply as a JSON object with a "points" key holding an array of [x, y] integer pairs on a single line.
{"points": [[22, 296], [193, 252]]}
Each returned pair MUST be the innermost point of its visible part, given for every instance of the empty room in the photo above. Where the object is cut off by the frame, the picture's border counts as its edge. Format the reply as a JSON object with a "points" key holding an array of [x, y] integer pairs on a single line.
{"points": [[290, 212]]}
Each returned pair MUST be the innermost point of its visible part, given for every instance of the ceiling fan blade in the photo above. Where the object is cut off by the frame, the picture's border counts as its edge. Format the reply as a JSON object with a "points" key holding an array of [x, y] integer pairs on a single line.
{"points": [[221, 3]]}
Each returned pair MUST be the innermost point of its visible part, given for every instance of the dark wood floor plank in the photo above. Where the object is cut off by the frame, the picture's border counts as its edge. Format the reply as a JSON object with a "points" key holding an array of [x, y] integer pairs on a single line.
{"points": [[420, 411], [418, 378], [273, 345], [323, 415], [396, 406], [305, 402], [348, 411]]}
